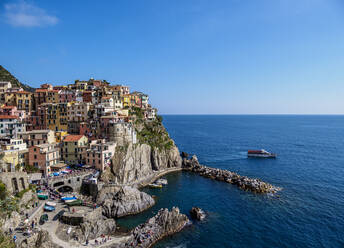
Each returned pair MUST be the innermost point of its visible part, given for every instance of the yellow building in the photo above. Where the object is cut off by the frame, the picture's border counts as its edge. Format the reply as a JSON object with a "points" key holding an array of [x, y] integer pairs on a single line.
{"points": [[60, 135], [73, 149], [56, 116], [10, 98], [23, 100], [126, 100], [52, 96], [14, 159]]}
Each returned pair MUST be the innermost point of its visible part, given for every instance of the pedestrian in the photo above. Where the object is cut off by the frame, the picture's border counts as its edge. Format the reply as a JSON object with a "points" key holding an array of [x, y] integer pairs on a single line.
{"points": [[14, 238], [87, 242], [32, 224]]}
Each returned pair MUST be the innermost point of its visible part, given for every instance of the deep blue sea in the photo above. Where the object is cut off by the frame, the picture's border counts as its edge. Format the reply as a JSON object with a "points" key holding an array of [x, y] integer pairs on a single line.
{"points": [[308, 212]]}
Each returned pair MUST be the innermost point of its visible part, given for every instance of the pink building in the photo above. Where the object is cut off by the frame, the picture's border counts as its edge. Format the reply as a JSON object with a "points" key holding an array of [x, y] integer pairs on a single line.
{"points": [[12, 110], [37, 120], [44, 157], [66, 96], [100, 153]]}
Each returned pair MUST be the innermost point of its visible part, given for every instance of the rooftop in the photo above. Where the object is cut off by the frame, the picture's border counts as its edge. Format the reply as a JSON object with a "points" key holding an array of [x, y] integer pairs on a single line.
{"points": [[8, 117], [72, 138]]}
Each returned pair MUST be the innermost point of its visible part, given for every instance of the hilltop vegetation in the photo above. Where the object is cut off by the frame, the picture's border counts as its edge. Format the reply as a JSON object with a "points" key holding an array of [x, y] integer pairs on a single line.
{"points": [[153, 133], [7, 76]]}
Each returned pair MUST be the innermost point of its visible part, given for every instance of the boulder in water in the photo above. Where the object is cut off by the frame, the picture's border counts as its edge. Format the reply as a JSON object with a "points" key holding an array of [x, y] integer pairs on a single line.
{"points": [[197, 213]]}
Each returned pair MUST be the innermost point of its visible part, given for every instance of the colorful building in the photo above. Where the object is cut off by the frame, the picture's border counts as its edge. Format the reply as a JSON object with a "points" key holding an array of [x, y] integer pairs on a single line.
{"points": [[44, 156], [100, 153], [38, 137], [78, 111], [73, 149], [10, 126]]}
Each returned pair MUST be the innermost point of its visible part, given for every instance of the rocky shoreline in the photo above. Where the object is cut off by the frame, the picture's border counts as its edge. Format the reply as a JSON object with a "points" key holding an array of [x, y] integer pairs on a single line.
{"points": [[163, 224], [245, 183]]}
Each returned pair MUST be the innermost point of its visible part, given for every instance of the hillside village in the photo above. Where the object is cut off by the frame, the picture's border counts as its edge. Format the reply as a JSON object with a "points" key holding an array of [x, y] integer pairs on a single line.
{"points": [[78, 124]]}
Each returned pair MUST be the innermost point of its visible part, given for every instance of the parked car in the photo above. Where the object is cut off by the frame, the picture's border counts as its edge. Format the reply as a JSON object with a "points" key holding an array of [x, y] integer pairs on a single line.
{"points": [[43, 219]]}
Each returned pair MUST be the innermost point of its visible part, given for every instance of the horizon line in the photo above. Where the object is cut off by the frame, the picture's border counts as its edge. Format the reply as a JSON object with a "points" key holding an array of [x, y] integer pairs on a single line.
{"points": [[262, 114]]}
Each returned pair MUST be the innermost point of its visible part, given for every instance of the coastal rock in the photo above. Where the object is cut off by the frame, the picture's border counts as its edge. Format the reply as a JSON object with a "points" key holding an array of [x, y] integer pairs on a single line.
{"points": [[163, 224], [95, 224], [137, 162], [121, 201], [28, 198], [38, 239], [11, 222], [91, 226], [251, 184], [184, 155], [197, 213]]}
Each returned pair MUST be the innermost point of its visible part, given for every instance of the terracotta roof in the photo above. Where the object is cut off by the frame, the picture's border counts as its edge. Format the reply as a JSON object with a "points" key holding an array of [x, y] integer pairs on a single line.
{"points": [[72, 138], [8, 117], [41, 90], [23, 92]]}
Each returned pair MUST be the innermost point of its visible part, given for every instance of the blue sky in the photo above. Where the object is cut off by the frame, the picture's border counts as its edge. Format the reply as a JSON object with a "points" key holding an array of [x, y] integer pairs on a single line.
{"points": [[191, 57]]}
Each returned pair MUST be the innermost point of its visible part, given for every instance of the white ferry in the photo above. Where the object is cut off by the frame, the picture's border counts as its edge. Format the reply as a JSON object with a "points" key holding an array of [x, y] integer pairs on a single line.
{"points": [[260, 154]]}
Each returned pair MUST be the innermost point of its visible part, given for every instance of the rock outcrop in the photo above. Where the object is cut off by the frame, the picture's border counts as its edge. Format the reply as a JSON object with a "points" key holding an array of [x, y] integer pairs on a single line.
{"points": [[121, 201], [38, 239], [197, 213], [251, 184], [136, 162], [92, 226], [95, 224], [10, 222], [163, 224]]}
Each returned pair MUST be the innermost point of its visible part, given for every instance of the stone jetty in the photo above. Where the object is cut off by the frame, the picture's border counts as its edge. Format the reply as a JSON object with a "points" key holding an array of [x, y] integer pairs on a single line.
{"points": [[250, 184], [164, 223]]}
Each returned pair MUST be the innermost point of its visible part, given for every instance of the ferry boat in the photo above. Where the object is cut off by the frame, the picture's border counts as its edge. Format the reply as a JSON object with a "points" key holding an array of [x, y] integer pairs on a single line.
{"points": [[260, 154]]}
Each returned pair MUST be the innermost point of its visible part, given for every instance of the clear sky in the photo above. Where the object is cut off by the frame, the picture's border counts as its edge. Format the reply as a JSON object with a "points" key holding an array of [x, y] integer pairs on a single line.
{"points": [[190, 56]]}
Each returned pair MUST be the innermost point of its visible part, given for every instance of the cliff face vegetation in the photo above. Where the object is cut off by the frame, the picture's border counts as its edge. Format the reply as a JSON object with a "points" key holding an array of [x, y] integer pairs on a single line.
{"points": [[155, 151], [8, 77]]}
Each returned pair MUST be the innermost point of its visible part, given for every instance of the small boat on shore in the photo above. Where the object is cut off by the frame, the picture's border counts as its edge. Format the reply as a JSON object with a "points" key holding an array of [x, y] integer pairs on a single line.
{"points": [[260, 154], [42, 196], [154, 185], [77, 202], [69, 199], [49, 208], [161, 181], [52, 204]]}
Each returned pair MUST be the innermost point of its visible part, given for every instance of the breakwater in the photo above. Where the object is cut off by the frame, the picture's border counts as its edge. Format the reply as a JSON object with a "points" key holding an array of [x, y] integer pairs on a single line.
{"points": [[245, 183]]}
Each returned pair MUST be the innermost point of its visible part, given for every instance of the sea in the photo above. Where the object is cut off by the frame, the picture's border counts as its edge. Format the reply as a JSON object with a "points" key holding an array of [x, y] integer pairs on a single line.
{"points": [[308, 212]]}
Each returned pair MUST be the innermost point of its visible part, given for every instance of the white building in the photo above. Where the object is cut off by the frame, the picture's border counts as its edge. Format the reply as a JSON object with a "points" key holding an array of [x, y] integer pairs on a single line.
{"points": [[4, 86], [10, 125]]}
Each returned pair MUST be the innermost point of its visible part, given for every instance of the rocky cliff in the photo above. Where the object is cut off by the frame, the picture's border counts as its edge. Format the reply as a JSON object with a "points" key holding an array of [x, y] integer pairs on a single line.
{"points": [[155, 152], [121, 201]]}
